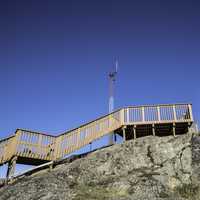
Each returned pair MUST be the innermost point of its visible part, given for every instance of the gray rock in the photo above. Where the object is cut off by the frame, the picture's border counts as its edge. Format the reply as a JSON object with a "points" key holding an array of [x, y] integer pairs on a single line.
{"points": [[149, 168]]}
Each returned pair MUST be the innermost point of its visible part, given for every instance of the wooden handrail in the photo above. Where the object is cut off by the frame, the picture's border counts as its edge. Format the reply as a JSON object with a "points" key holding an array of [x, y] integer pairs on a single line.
{"points": [[43, 146], [155, 105]]}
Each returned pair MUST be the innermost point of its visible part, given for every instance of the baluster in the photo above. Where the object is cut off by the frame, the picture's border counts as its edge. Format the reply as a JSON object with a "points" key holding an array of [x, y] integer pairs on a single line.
{"points": [[174, 111], [190, 112], [158, 111], [143, 114]]}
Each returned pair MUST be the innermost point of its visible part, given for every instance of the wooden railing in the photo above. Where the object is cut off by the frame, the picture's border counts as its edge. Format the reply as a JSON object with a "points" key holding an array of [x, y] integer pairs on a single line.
{"points": [[35, 145], [77, 138], [6, 149], [158, 114], [46, 147]]}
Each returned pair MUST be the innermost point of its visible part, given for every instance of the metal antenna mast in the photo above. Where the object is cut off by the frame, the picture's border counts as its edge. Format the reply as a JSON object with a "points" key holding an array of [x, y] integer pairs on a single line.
{"points": [[112, 79]]}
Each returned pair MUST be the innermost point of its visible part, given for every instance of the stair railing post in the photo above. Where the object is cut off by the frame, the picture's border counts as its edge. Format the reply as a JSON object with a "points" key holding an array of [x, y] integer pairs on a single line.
{"points": [[124, 133], [57, 153], [191, 114], [174, 111], [122, 113]]}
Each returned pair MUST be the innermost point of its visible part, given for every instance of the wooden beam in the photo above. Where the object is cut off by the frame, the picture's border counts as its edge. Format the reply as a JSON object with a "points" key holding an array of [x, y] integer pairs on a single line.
{"points": [[23, 142], [11, 167], [90, 146], [188, 128], [153, 130], [127, 115], [134, 132], [124, 133], [122, 113], [143, 114], [158, 110], [174, 111], [174, 129], [191, 114], [111, 138], [115, 137]]}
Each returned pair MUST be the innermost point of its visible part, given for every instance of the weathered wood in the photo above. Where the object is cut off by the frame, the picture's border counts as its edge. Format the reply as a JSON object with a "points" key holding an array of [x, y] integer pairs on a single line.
{"points": [[153, 130], [134, 132], [11, 167], [174, 129], [124, 133], [143, 114], [115, 137], [34, 145], [174, 112], [158, 110], [190, 112]]}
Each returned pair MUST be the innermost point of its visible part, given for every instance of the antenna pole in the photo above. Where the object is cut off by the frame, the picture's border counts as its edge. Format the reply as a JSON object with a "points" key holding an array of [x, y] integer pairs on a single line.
{"points": [[111, 95], [112, 79]]}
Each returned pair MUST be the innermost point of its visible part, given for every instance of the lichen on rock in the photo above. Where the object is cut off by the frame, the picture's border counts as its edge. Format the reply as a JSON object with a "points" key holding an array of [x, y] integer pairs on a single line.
{"points": [[151, 168]]}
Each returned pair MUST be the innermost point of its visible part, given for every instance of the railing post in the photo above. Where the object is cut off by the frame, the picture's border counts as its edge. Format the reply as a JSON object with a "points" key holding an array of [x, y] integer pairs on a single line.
{"points": [[174, 129], [9, 149], [11, 167], [158, 110], [14, 144], [78, 138], [134, 132], [122, 113], [124, 133], [174, 111], [190, 111], [127, 113], [57, 147], [143, 115], [40, 146], [153, 129]]}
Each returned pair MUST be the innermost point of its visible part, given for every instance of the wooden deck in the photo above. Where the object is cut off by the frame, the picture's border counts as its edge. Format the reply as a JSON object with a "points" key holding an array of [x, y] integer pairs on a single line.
{"points": [[33, 148]]}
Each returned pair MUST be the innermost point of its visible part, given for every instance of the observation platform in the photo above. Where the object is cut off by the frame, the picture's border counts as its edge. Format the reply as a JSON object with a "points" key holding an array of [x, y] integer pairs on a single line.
{"points": [[34, 148]]}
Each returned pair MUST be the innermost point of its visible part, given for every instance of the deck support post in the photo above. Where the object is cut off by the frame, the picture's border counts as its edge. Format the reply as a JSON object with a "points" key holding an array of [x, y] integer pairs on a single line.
{"points": [[174, 129], [134, 132], [153, 130], [188, 128], [111, 138], [11, 167], [124, 133], [90, 146], [51, 167], [115, 138]]}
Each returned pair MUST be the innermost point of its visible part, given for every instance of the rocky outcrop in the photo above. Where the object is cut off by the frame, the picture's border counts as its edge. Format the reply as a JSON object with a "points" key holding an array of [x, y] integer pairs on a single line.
{"points": [[149, 168]]}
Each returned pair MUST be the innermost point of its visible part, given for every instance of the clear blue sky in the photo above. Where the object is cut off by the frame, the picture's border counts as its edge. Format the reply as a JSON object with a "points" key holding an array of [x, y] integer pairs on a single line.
{"points": [[55, 57]]}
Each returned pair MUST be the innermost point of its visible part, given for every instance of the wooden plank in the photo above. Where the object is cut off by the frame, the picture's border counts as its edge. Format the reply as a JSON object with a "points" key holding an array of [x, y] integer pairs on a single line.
{"points": [[190, 111], [124, 134], [158, 110], [174, 129], [143, 114], [174, 112], [94, 130], [153, 130], [134, 132]]}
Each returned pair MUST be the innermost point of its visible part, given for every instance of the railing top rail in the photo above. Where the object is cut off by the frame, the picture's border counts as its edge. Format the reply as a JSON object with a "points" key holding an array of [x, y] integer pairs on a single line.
{"points": [[157, 105], [90, 122], [6, 138], [45, 134], [35, 132]]}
